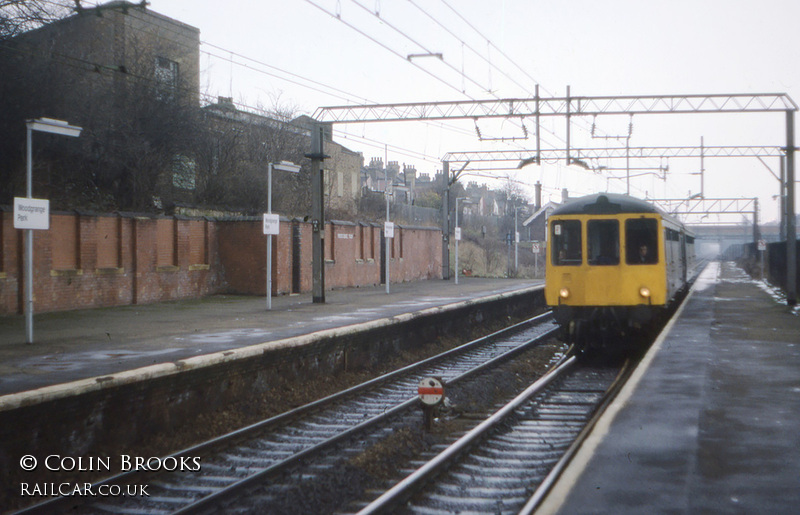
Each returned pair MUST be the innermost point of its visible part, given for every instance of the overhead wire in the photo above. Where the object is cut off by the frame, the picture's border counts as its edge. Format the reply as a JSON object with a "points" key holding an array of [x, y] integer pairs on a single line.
{"points": [[345, 97], [468, 46], [89, 66], [504, 54], [382, 45], [211, 99], [424, 48], [385, 22], [131, 12]]}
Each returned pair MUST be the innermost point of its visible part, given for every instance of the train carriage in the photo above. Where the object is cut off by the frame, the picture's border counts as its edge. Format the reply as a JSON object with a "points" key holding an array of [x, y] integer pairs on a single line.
{"points": [[615, 263]]}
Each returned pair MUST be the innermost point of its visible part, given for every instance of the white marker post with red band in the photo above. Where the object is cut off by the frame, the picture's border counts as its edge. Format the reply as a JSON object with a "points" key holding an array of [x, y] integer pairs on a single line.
{"points": [[431, 394]]}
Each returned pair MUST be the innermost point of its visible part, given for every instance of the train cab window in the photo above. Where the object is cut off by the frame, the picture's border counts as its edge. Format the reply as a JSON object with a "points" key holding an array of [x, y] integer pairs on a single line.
{"points": [[566, 242], [603, 242], [641, 241]]}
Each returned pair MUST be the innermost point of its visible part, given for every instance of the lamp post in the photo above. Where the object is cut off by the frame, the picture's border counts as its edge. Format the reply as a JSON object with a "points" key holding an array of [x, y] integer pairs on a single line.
{"points": [[53, 127], [271, 225], [465, 200], [516, 242], [388, 234]]}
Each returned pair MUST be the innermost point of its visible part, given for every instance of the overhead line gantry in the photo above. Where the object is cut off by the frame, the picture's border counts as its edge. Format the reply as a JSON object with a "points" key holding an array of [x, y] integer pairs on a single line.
{"points": [[568, 106]]}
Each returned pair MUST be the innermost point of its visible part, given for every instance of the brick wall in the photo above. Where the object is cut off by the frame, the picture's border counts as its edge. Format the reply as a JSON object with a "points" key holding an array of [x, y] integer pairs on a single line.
{"points": [[121, 413], [91, 261], [352, 255]]}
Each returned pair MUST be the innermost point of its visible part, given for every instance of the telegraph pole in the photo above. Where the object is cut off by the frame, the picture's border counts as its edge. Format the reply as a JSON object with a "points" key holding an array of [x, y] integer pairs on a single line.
{"points": [[445, 220], [791, 235], [317, 214]]}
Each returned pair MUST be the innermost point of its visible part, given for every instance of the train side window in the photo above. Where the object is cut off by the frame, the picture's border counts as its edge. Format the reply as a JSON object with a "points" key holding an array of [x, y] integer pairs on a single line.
{"points": [[566, 242], [641, 241], [603, 242]]}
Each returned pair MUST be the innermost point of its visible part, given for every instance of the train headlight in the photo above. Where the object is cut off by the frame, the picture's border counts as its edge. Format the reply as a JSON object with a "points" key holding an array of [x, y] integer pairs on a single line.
{"points": [[563, 293], [644, 291]]}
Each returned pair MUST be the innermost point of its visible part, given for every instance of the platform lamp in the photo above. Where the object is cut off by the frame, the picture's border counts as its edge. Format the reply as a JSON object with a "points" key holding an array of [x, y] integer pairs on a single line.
{"points": [[53, 127], [273, 222], [464, 200]]}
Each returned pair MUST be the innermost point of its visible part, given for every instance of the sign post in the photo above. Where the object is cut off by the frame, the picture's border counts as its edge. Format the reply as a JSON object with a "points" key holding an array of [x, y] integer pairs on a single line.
{"points": [[536, 247], [431, 394], [388, 233], [762, 246], [272, 227], [31, 216], [457, 235], [272, 223]]}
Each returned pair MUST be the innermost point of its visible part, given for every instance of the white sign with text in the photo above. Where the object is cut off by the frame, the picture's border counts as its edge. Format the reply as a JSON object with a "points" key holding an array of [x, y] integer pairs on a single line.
{"points": [[272, 223], [31, 213]]}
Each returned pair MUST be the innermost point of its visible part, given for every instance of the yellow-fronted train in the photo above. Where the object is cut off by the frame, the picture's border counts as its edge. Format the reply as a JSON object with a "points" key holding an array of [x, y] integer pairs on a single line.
{"points": [[615, 265]]}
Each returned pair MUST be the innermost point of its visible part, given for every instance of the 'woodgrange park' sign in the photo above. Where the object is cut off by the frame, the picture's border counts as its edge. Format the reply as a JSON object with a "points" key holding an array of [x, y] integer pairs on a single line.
{"points": [[31, 213]]}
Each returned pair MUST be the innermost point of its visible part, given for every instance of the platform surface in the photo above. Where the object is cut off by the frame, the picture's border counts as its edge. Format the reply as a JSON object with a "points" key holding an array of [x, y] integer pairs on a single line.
{"points": [[74, 345], [710, 422]]}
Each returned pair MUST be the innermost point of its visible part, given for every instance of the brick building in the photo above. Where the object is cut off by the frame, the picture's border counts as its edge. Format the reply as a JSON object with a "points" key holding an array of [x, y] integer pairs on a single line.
{"points": [[128, 76], [342, 169]]}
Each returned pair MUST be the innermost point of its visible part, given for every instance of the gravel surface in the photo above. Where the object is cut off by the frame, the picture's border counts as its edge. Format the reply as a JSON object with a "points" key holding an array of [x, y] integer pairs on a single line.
{"points": [[285, 395], [378, 466]]}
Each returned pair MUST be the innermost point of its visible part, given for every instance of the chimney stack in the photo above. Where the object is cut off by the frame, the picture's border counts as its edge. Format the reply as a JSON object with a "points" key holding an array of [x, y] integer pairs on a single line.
{"points": [[538, 202]]}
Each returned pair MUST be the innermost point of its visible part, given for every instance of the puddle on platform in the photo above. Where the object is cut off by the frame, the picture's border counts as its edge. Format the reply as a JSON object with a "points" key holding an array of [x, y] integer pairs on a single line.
{"points": [[225, 336], [78, 360]]}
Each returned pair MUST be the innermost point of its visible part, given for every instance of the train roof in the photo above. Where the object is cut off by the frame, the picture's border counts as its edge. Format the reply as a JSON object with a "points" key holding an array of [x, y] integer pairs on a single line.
{"points": [[605, 204]]}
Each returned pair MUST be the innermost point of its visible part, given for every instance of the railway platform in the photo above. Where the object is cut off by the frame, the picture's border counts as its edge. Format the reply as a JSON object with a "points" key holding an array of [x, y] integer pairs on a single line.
{"points": [[75, 345], [709, 422]]}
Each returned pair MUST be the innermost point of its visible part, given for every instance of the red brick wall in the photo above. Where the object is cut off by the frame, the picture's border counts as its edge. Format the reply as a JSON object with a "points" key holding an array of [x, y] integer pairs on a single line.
{"points": [[243, 254], [90, 261]]}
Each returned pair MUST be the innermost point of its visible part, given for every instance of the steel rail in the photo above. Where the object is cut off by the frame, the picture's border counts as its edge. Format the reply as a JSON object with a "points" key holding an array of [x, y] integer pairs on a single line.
{"points": [[405, 405], [277, 421], [402, 490], [551, 478]]}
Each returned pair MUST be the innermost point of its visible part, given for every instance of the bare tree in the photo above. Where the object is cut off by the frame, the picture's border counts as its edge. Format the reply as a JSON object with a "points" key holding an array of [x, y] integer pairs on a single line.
{"points": [[238, 147], [137, 130], [18, 16]]}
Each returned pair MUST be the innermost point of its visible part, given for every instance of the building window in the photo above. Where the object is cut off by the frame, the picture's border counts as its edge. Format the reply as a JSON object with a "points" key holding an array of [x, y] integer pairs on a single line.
{"points": [[184, 172], [166, 76]]}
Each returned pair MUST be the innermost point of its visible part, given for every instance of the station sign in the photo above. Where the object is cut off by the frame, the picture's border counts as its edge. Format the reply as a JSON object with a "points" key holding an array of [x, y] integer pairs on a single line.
{"points": [[31, 213], [431, 391], [272, 224], [388, 229]]}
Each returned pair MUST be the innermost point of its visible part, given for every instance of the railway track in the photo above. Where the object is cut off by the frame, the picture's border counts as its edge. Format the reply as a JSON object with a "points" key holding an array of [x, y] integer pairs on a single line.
{"points": [[508, 462], [276, 446]]}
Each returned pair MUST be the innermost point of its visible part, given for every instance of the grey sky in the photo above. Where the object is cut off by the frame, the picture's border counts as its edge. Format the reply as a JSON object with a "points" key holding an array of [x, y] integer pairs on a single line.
{"points": [[355, 52]]}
